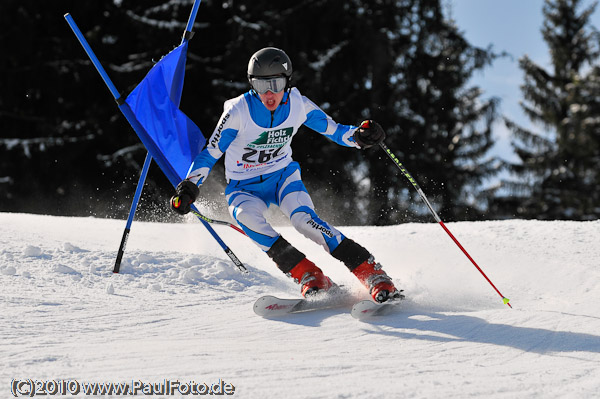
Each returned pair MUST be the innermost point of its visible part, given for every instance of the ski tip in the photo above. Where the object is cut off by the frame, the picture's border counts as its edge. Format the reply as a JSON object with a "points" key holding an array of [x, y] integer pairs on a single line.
{"points": [[506, 301], [269, 306], [368, 308]]}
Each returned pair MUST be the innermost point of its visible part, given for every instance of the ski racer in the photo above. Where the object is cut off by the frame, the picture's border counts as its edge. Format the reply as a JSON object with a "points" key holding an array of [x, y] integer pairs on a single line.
{"points": [[255, 133]]}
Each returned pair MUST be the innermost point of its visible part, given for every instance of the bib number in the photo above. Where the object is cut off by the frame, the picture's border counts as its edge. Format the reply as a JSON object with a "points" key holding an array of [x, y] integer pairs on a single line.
{"points": [[260, 156]]}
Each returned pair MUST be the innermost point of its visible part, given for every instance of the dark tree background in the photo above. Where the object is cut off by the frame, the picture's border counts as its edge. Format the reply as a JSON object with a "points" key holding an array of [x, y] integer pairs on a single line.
{"points": [[559, 173], [65, 149]]}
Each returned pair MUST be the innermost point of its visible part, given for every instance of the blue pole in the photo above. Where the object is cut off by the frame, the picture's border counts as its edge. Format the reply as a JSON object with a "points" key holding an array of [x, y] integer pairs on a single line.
{"points": [[136, 199], [136, 125], [147, 162], [191, 19], [92, 56]]}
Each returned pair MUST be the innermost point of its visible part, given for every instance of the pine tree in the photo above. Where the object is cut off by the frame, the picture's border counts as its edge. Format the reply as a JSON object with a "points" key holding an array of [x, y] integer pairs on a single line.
{"points": [[410, 67], [558, 174], [440, 126]]}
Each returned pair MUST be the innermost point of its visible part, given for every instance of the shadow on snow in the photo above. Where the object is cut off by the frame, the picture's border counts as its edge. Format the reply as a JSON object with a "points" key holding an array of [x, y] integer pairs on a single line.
{"points": [[462, 328]]}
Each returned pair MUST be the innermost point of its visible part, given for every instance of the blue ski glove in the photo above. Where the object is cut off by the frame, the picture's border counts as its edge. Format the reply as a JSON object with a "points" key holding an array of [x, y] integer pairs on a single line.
{"points": [[185, 195], [368, 134]]}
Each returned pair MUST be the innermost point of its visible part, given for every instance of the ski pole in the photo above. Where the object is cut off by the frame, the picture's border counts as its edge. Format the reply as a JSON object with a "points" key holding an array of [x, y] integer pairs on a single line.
{"points": [[236, 261], [213, 221], [436, 217]]}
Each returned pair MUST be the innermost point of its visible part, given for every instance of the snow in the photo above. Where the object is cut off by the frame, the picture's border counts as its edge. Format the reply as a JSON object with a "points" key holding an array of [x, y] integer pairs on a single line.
{"points": [[180, 310]]}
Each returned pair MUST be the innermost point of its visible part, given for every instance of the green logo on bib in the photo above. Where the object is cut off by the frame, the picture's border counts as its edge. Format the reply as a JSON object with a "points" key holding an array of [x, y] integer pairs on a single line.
{"points": [[272, 138]]}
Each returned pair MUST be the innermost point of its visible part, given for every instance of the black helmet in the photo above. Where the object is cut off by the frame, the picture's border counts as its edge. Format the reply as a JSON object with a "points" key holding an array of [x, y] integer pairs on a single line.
{"points": [[270, 61]]}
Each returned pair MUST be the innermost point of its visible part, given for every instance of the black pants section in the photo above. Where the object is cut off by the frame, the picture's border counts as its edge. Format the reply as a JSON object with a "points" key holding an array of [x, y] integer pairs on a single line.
{"points": [[285, 256], [351, 253]]}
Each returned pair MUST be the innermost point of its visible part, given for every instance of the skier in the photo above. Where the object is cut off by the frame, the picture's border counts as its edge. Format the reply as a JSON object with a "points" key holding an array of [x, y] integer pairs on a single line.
{"points": [[255, 132]]}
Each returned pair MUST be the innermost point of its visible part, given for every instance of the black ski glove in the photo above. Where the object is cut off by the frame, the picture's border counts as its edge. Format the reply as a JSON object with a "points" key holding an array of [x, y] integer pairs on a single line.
{"points": [[185, 195], [368, 134]]}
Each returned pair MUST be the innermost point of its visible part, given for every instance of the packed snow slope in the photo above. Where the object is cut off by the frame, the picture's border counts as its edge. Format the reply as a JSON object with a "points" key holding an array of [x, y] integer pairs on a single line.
{"points": [[180, 310]]}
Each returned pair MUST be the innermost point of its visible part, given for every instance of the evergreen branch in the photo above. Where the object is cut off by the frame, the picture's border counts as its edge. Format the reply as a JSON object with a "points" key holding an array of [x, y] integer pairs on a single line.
{"points": [[531, 140]]}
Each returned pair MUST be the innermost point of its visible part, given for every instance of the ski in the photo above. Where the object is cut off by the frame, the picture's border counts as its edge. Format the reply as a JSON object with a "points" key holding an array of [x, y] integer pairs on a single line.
{"points": [[367, 308], [271, 306]]}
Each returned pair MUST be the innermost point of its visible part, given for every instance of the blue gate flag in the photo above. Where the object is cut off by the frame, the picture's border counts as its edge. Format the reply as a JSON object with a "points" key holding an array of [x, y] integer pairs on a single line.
{"points": [[170, 136]]}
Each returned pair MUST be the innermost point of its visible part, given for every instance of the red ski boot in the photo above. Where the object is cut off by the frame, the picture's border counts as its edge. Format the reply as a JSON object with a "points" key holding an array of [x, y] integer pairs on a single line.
{"points": [[310, 278], [378, 283]]}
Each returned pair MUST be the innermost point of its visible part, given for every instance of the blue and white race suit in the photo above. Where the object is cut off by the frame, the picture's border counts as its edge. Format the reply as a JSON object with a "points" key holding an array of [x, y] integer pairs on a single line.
{"points": [[259, 167]]}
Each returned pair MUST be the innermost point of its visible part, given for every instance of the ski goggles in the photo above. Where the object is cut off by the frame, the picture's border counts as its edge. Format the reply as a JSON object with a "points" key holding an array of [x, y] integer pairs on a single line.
{"points": [[274, 84]]}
